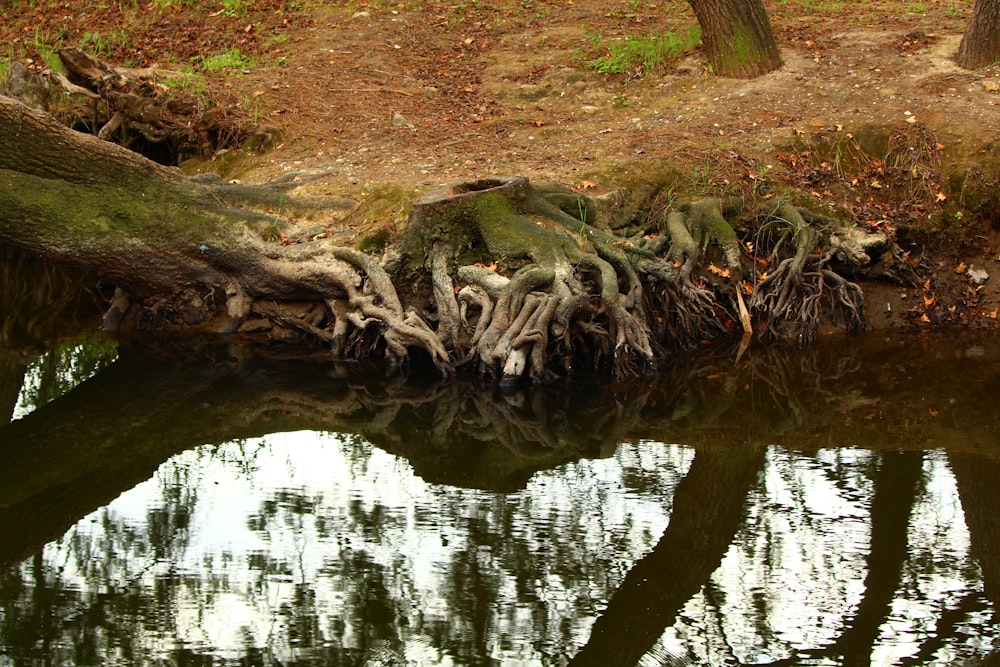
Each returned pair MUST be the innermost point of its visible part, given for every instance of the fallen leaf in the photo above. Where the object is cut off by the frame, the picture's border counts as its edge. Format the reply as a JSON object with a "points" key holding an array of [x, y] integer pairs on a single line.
{"points": [[932, 412], [929, 300], [940, 196], [962, 266], [722, 273], [875, 184], [924, 319]]}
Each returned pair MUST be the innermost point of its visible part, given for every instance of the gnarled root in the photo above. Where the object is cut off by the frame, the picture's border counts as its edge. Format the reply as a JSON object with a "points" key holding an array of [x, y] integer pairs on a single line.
{"points": [[797, 290], [400, 329], [692, 229]]}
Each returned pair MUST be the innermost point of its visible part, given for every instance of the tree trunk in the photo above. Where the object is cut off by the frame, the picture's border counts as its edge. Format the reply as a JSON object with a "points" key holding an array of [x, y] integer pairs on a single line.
{"points": [[980, 45], [737, 37]]}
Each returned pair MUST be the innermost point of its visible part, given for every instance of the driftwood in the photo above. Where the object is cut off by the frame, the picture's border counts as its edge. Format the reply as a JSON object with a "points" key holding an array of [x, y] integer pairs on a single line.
{"points": [[136, 108], [132, 107]]}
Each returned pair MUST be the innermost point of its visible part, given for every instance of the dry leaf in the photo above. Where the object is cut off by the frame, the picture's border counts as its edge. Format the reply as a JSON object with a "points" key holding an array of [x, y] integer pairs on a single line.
{"points": [[722, 273], [929, 300]]}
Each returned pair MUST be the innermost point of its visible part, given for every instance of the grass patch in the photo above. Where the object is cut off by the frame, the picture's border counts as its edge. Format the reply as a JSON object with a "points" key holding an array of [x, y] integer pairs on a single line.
{"points": [[636, 56], [231, 59]]}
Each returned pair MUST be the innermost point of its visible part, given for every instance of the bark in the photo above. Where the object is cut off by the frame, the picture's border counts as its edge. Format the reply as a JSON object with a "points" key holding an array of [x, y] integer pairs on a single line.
{"points": [[980, 46], [737, 37]]}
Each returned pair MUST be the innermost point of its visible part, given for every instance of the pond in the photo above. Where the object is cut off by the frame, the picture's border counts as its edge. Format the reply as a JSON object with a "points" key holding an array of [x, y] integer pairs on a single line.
{"points": [[220, 504]]}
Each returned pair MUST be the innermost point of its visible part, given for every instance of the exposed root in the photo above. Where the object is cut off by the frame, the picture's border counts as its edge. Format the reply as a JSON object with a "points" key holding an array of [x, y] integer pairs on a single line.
{"points": [[692, 229], [802, 285]]}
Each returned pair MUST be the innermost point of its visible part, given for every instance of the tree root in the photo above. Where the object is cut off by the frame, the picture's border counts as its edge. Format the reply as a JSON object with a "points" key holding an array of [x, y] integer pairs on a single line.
{"points": [[797, 290], [512, 279], [692, 229], [562, 301]]}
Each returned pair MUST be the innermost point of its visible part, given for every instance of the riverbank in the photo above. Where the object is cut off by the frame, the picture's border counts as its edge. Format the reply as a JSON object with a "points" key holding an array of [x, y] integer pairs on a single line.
{"points": [[869, 119]]}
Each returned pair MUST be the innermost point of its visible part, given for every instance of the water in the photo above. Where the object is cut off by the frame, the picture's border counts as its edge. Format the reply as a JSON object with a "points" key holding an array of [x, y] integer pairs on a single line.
{"points": [[830, 506]]}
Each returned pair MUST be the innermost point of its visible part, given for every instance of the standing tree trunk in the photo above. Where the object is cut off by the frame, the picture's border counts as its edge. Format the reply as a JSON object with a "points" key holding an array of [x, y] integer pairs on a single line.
{"points": [[980, 45], [737, 37]]}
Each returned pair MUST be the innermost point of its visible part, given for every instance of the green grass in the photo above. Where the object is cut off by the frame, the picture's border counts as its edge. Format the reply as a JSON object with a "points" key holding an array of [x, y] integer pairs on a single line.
{"points": [[231, 59], [103, 45], [639, 55]]}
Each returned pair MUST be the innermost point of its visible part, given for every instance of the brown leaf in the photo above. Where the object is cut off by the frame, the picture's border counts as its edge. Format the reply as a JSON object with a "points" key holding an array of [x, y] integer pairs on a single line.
{"points": [[722, 273]]}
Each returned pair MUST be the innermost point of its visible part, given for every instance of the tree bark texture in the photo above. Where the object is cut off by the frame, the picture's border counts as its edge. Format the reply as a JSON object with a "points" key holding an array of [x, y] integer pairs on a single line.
{"points": [[737, 37], [980, 46]]}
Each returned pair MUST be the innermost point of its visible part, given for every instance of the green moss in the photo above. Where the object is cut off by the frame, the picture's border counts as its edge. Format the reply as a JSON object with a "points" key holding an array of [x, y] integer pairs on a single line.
{"points": [[740, 50]]}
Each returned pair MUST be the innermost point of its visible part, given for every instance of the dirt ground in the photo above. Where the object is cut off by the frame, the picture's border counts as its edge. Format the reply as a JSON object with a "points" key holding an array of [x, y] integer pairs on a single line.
{"points": [[423, 93], [430, 95]]}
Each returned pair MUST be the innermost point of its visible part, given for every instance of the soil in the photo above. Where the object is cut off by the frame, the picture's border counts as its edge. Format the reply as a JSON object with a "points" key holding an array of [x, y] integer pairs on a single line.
{"points": [[417, 94]]}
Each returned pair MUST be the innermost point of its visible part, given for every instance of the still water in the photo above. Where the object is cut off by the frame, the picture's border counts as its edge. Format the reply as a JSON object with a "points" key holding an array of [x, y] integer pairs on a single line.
{"points": [[832, 506]]}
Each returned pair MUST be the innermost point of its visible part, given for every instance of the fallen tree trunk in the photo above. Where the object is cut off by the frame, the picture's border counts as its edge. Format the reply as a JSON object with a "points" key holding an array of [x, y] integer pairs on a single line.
{"points": [[502, 275]]}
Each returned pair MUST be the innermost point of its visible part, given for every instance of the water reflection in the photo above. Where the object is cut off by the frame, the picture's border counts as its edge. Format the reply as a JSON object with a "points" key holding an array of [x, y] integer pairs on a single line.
{"points": [[830, 507]]}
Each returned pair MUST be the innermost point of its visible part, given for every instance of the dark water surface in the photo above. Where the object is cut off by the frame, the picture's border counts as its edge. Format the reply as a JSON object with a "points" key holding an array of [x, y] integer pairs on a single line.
{"points": [[832, 506]]}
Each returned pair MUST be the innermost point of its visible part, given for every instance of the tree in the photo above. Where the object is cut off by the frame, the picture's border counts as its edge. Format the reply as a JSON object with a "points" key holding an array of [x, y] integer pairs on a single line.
{"points": [[980, 46], [502, 275], [737, 37]]}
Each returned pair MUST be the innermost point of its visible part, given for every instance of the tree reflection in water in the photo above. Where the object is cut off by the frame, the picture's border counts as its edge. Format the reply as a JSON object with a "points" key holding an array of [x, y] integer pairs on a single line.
{"points": [[805, 518]]}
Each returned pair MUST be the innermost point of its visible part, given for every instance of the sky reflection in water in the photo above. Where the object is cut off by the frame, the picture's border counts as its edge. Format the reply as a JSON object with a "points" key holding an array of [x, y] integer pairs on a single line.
{"points": [[301, 545]]}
